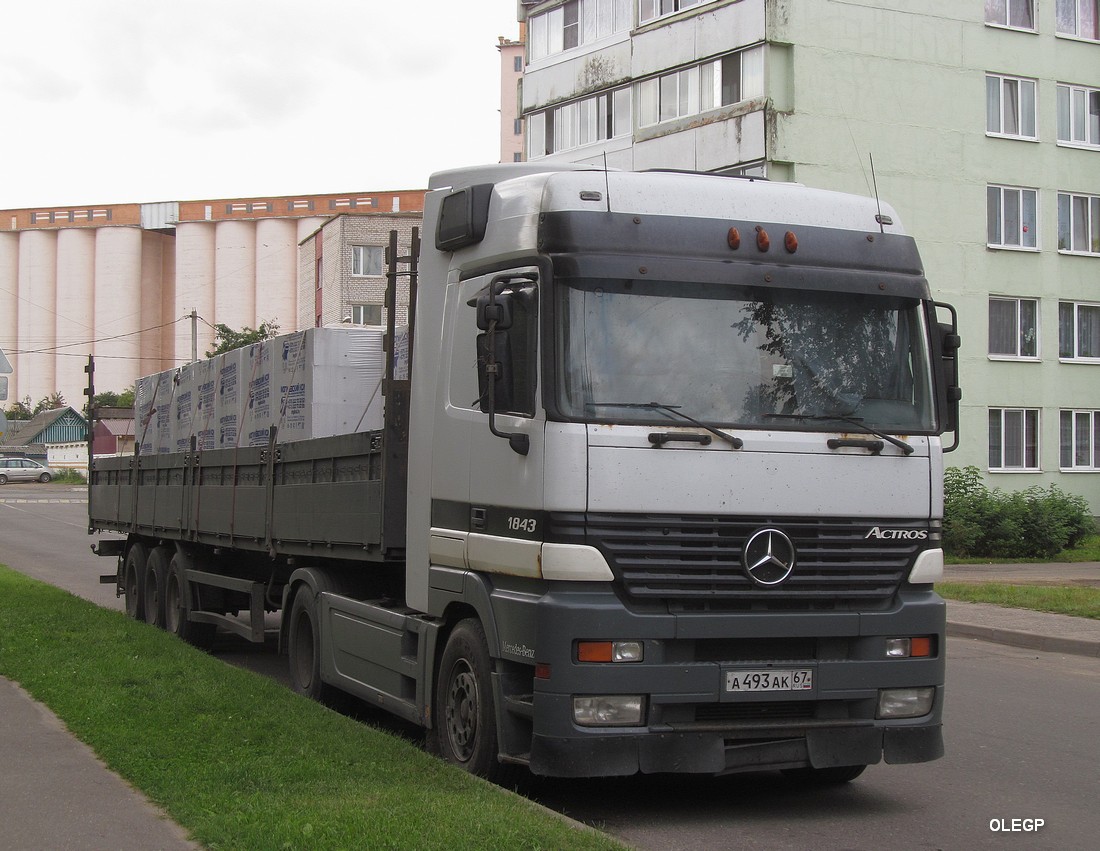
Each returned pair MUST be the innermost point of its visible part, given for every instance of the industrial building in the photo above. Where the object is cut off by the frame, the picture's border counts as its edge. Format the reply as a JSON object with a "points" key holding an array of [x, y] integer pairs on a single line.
{"points": [[121, 281]]}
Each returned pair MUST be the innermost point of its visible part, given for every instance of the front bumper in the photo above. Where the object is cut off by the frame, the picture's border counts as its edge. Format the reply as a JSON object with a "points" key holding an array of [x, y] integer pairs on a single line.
{"points": [[693, 726]]}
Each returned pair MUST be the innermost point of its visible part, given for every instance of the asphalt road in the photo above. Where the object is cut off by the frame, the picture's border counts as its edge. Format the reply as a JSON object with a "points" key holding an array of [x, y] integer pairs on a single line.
{"points": [[1020, 729]]}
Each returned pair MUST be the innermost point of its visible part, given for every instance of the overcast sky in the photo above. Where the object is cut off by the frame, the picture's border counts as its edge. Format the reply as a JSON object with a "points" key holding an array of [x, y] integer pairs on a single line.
{"points": [[114, 101]]}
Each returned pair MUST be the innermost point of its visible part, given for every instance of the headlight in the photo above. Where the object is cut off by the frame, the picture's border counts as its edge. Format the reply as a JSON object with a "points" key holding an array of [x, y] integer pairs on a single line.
{"points": [[905, 702], [609, 710]]}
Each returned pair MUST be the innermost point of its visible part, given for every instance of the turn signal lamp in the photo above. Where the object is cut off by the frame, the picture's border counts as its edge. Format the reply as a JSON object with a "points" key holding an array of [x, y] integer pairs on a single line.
{"points": [[609, 651]]}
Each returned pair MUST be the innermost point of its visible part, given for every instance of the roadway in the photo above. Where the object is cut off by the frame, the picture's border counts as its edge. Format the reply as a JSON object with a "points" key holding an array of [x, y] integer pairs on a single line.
{"points": [[1018, 725]]}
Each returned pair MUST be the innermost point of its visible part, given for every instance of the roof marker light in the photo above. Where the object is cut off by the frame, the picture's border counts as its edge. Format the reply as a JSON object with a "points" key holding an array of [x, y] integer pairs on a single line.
{"points": [[790, 242], [763, 241], [734, 238]]}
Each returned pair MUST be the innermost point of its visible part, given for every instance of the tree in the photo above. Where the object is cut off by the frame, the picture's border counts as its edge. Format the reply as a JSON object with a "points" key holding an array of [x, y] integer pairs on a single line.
{"points": [[20, 410], [226, 339], [50, 403], [110, 399]]}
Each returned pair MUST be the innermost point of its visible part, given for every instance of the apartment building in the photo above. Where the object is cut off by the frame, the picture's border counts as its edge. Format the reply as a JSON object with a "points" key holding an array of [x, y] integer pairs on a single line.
{"points": [[982, 118], [120, 281], [512, 60], [342, 269]]}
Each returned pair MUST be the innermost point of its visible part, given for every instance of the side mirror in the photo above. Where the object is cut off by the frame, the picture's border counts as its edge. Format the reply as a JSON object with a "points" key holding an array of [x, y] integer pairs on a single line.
{"points": [[494, 307], [949, 345], [494, 359]]}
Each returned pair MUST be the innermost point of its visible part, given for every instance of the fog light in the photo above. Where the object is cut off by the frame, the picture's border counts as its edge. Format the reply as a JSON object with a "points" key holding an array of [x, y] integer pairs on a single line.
{"points": [[905, 702], [905, 648], [608, 710], [609, 651]]}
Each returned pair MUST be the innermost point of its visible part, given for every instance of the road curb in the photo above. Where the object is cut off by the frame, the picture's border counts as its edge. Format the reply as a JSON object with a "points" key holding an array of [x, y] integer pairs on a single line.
{"points": [[1028, 640]]}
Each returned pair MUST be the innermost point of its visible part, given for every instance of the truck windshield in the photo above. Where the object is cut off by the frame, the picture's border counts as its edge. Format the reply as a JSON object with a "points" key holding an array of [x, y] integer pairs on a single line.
{"points": [[750, 357]]}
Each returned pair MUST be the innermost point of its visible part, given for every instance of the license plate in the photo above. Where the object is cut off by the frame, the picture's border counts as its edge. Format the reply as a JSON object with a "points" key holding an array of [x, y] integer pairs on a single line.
{"points": [[799, 679]]}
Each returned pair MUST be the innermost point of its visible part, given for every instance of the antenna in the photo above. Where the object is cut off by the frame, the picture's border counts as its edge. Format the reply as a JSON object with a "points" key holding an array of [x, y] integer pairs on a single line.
{"points": [[881, 219]]}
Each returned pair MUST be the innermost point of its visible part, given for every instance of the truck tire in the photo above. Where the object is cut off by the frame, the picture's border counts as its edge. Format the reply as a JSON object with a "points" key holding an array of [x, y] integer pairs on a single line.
{"points": [[156, 574], [825, 776], [304, 649], [465, 720], [133, 580], [177, 607]]}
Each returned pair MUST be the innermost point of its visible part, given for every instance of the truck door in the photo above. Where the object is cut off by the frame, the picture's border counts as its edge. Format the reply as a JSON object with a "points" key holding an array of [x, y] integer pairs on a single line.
{"points": [[499, 503]]}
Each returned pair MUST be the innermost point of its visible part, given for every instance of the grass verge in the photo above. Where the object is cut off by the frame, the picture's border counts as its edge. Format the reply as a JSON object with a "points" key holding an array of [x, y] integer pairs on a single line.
{"points": [[1062, 600], [238, 760]]}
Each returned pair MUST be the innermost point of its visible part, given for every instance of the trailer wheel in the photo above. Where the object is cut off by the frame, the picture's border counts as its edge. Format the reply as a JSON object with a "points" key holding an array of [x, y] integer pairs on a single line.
{"points": [[156, 574], [825, 776], [178, 600], [133, 580], [464, 717], [304, 645]]}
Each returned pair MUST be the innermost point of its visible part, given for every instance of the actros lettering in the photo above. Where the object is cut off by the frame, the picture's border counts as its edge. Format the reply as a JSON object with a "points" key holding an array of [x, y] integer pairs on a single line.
{"points": [[896, 534]]}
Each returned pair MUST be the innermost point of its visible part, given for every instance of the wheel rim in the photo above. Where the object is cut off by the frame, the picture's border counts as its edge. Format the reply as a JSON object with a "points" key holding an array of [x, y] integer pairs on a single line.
{"points": [[173, 611], [461, 710], [303, 651], [131, 591], [152, 596]]}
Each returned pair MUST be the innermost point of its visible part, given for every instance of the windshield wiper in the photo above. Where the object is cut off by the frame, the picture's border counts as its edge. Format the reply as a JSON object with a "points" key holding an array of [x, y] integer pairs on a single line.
{"points": [[735, 442], [901, 444]]}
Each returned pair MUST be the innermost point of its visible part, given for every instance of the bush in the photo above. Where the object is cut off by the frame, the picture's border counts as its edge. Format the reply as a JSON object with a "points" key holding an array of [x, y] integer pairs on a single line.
{"points": [[70, 477], [1034, 523]]}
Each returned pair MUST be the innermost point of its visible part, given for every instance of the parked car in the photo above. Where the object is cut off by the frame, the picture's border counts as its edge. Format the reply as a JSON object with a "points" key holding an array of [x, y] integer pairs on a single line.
{"points": [[24, 470]]}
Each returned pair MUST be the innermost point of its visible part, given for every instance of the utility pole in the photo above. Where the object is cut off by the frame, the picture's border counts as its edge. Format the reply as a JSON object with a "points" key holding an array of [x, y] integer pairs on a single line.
{"points": [[194, 335]]}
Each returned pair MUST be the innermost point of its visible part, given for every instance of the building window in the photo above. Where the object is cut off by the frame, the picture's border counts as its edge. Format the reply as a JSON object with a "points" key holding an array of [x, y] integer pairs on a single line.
{"points": [[366, 314], [366, 260], [517, 63], [649, 10], [582, 122], [1079, 440], [1079, 223], [1018, 14], [574, 23], [1013, 438], [689, 91], [1079, 116], [1010, 106], [1078, 331], [517, 127], [1011, 216], [1013, 327], [1077, 18]]}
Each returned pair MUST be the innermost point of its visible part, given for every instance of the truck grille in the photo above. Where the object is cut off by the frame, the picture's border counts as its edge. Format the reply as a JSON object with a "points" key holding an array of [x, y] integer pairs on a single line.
{"points": [[693, 562]]}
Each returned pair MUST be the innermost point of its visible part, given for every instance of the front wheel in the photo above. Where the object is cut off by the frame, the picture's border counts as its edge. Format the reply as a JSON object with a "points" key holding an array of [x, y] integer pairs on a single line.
{"points": [[304, 645], [3, 479], [44, 478], [465, 722]]}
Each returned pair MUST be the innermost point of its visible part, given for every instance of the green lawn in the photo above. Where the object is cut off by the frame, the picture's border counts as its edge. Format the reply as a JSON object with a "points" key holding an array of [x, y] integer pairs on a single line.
{"points": [[238, 760], [1076, 601]]}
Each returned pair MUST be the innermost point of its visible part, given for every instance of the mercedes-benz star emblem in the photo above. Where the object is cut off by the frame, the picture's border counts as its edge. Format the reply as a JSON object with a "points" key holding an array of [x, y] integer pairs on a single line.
{"points": [[768, 557]]}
